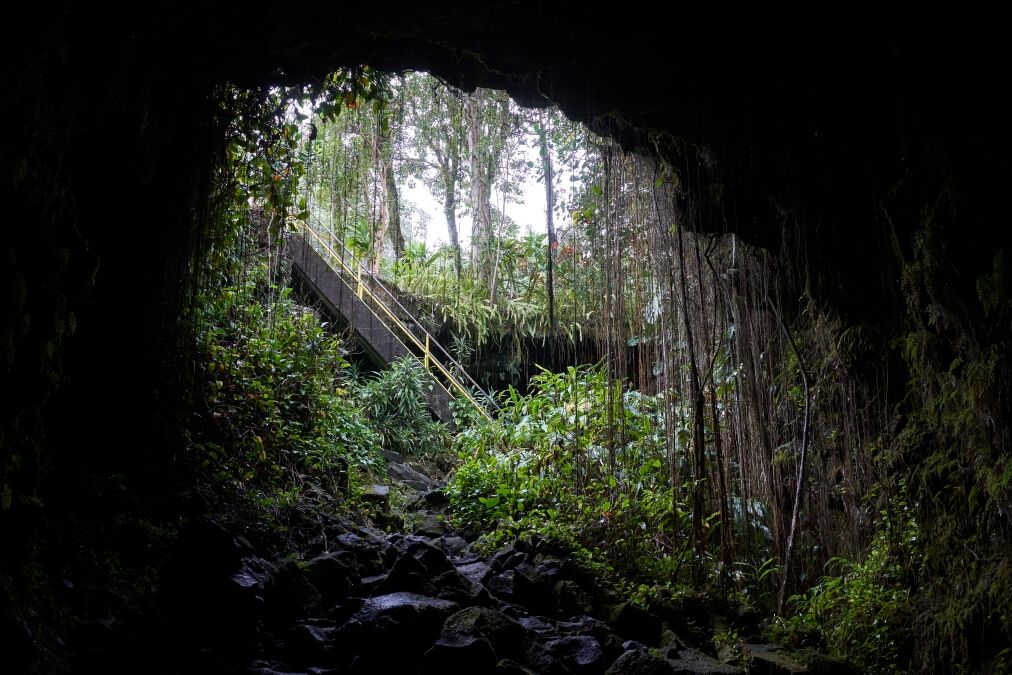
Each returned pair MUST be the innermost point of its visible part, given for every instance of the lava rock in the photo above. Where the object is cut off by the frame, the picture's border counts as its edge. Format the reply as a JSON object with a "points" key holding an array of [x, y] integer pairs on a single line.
{"points": [[505, 635], [292, 596], [768, 660], [476, 572], [407, 574], [635, 623], [521, 586], [580, 653], [570, 598], [377, 495], [369, 554], [433, 559], [508, 558], [536, 624], [695, 662], [639, 662], [457, 653], [311, 642], [390, 633], [335, 574], [455, 586], [408, 475], [452, 545], [434, 499], [582, 625], [428, 524]]}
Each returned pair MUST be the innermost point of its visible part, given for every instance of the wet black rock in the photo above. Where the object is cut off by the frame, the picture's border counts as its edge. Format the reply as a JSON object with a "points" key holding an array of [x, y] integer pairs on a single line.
{"points": [[504, 634], [459, 653], [580, 653], [639, 661], [635, 623], [390, 633], [335, 574], [695, 662]]}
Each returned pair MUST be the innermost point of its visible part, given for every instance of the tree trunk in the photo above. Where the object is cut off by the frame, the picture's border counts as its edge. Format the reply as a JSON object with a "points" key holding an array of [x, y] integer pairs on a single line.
{"points": [[393, 202], [546, 160], [478, 160], [698, 420], [380, 201], [800, 479], [449, 211]]}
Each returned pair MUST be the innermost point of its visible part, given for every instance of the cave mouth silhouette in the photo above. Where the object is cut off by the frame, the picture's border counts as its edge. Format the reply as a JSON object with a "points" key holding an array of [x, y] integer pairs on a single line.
{"points": [[828, 142]]}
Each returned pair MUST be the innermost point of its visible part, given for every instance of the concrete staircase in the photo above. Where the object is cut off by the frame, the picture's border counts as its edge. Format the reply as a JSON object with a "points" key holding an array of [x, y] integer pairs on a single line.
{"points": [[338, 295]]}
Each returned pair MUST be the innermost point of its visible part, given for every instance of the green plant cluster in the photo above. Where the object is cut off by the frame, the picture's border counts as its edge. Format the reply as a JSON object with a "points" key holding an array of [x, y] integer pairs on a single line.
{"points": [[273, 408], [579, 459], [519, 306], [394, 401], [865, 612]]}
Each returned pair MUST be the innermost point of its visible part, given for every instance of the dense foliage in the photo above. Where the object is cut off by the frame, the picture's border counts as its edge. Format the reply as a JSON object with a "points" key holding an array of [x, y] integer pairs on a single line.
{"points": [[395, 401], [274, 409], [583, 459], [864, 611]]}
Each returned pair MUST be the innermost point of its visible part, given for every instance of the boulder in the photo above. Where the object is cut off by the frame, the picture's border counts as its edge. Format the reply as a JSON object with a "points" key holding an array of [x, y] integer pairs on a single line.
{"points": [[580, 653], [391, 632], [505, 635], [536, 625], [522, 585], [695, 662], [769, 660], [476, 572], [639, 661], [452, 545], [408, 475], [428, 524], [378, 496], [461, 654], [293, 595], [582, 625], [635, 623], [434, 499], [369, 554], [432, 558], [407, 574], [570, 598], [335, 574], [455, 586], [311, 642]]}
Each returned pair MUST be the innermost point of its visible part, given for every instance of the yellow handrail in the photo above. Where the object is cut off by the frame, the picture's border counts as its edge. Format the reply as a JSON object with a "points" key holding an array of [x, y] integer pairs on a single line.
{"points": [[363, 288]]}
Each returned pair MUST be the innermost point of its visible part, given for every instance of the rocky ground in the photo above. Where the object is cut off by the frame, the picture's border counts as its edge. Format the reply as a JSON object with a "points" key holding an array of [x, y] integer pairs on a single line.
{"points": [[419, 601]]}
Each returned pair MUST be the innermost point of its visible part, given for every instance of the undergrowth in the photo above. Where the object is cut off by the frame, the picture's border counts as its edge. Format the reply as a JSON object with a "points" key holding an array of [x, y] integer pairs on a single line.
{"points": [[273, 411]]}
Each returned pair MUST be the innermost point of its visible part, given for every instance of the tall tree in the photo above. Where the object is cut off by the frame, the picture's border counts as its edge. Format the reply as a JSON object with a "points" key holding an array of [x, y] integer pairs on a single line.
{"points": [[386, 128], [436, 114], [543, 129], [489, 124]]}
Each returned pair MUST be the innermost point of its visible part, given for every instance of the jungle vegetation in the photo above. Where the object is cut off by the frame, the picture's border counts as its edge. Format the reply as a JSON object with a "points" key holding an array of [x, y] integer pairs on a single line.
{"points": [[717, 429]]}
